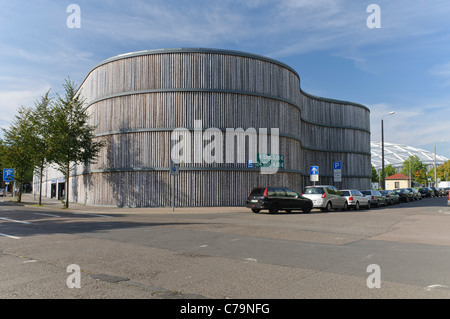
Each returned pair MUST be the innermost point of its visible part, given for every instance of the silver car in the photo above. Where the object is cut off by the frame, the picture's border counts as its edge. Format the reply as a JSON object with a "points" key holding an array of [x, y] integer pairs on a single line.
{"points": [[375, 198], [326, 197], [355, 199]]}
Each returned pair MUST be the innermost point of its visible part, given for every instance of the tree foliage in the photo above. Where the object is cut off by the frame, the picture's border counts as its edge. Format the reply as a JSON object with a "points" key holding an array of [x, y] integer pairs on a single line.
{"points": [[40, 119], [71, 137], [18, 148], [414, 168], [54, 132]]}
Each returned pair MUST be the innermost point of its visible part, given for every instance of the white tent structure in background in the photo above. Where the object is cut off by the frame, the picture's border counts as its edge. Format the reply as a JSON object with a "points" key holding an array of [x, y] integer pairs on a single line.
{"points": [[396, 154]]}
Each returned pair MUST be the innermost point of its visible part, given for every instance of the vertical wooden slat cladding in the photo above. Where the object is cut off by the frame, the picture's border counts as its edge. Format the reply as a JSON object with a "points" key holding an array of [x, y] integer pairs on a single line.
{"points": [[136, 100], [337, 131]]}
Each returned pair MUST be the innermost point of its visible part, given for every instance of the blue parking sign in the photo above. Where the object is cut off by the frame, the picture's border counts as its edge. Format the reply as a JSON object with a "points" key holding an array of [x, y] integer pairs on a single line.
{"points": [[8, 175], [337, 165]]}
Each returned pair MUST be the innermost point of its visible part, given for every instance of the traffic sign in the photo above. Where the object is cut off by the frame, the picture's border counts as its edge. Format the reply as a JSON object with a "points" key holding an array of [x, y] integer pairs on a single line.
{"points": [[174, 169], [337, 171], [337, 175], [269, 160], [337, 165], [8, 175], [314, 173]]}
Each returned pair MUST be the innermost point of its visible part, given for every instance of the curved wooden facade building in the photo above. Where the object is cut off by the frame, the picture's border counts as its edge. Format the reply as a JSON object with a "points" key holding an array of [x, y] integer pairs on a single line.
{"points": [[138, 100]]}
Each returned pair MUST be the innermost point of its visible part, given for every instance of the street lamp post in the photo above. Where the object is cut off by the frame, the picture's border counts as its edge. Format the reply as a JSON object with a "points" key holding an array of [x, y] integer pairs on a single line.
{"points": [[435, 169], [383, 182]]}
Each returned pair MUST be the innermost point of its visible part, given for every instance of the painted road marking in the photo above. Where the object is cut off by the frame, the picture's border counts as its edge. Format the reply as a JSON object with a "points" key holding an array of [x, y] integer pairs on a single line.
{"points": [[431, 287], [89, 214], [51, 215], [9, 236], [15, 221]]}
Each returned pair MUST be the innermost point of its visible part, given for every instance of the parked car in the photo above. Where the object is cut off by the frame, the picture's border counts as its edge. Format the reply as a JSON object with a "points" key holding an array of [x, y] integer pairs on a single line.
{"points": [[435, 191], [446, 189], [277, 198], [415, 192], [426, 192], [390, 196], [355, 199], [404, 194], [442, 191], [326, 197], [375, 197]]}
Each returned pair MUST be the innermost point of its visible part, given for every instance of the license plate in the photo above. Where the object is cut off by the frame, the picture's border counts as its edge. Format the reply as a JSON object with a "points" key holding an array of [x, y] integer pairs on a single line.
{"points": [[254, 200]]}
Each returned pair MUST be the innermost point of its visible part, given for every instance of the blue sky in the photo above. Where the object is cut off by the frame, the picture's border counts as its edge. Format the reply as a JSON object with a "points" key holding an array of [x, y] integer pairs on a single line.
{"points": [[404, 66]]}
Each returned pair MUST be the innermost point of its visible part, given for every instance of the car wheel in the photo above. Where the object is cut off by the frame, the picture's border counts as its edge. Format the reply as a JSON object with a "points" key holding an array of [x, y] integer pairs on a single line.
{"points": [[273, 209], [368, 205], [357, 206], [328, 207], [256, 211], [345, 207], [378, 203], [308, 209]]}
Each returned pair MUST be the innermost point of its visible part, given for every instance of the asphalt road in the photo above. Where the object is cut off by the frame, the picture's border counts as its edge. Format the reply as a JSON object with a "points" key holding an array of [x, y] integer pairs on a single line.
{"points": [[223, 253]]}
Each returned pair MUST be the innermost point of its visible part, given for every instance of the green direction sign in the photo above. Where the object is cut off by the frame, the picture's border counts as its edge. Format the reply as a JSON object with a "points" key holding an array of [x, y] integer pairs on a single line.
{"points": [[269, 160]]}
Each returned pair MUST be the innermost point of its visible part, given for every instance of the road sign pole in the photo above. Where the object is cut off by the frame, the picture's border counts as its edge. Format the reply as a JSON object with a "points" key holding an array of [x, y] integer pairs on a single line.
{"points": [[173, 171], [173, 193]]}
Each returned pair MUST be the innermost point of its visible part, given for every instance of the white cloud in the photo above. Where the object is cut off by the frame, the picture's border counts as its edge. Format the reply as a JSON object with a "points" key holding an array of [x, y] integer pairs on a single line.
{"points": [[18, 93], [419, 126]]}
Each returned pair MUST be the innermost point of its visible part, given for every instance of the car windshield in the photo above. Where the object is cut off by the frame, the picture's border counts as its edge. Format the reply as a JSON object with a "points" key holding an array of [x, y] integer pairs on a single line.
{"points": [[366, 192], [345, 193], [314, 190]]}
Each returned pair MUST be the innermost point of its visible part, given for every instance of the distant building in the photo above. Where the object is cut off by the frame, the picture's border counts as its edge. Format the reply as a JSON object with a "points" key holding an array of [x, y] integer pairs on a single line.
{"points": [[396, 154], [397, 181]]}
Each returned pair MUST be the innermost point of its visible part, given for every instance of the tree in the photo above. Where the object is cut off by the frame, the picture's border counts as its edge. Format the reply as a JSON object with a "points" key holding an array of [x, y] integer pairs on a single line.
{"points": [[375, 177], [18, 148], [414, 168], [40, 119], [71, 137], [443, 171], [389, 170]]}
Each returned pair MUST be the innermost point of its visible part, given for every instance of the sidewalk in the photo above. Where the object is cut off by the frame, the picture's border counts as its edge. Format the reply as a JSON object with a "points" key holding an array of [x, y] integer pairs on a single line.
{"points": [[33, 200]]}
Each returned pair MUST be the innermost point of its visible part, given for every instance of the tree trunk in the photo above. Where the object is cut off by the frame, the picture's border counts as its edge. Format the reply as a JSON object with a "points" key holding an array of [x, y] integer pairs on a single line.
{"points": [[40, 184], [19, 200], [67, 185]]}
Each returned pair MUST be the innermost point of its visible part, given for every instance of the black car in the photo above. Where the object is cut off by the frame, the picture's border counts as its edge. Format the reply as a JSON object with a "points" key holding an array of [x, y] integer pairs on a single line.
{"points": [[435, 191], [277, 198], [425, 192], [404, 194]]}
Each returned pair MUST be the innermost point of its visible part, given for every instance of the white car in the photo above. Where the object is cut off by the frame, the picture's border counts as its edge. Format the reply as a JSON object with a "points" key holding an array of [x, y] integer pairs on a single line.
{"points": [[355, 198], [326, 197]]}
